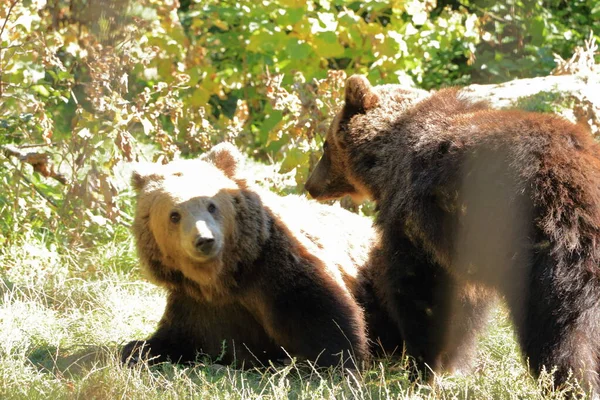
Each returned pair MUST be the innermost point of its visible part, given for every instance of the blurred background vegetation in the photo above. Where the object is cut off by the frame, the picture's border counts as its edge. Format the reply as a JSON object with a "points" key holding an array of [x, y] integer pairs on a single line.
{"points": [[88, 85]]}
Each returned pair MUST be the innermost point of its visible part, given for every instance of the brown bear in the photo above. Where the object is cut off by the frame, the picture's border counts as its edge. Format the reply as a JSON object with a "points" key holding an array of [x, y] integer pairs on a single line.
{"points": [[251, 277], [471, 199]]}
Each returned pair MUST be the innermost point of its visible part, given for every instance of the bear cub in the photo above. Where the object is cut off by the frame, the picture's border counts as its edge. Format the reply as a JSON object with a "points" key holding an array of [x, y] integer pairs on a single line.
{"points": [[251, 277], [470, 200]]}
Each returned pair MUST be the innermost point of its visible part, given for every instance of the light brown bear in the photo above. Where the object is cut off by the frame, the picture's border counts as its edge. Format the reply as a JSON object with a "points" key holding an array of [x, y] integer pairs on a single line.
{"points": [[251, 277], [471, 197]]}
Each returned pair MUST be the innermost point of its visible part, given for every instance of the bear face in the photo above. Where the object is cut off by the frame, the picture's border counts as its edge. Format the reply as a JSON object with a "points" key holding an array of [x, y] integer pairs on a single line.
{"points": [[190, 228], [333, 175], [328, 180]]}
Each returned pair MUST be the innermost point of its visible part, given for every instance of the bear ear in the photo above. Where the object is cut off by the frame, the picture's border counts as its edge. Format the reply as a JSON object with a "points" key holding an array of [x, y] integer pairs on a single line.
{"points": [[142, 174], [224, 156], [360, 96]]}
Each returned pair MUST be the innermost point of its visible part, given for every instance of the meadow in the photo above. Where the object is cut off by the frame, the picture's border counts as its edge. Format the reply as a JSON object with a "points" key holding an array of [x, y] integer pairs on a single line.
{"points": [[88, 86], [65, 311]]}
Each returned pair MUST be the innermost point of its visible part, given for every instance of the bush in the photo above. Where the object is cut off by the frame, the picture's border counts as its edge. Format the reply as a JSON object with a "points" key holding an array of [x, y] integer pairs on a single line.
{"points": [[90, 85]]}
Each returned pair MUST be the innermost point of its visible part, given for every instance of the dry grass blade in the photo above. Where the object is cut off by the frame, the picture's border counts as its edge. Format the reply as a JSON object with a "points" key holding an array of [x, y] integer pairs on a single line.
{"points": [[581, 62]]}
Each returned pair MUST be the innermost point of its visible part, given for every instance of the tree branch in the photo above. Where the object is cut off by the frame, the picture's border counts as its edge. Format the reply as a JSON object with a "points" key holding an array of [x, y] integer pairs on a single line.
{"points": [[39, 162], [34, 187], [14, 3]]}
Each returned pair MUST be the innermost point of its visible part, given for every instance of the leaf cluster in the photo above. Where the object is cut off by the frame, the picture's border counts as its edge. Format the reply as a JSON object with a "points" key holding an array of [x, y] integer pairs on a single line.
{"points": [[90, 85]]}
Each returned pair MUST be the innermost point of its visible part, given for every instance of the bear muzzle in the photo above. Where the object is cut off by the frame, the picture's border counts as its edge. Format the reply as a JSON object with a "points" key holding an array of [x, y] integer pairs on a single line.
{"points": [[205, 245], [203, 240]]}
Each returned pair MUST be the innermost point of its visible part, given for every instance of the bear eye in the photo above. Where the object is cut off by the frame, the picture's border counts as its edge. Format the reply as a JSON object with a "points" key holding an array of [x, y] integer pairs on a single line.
{"points": [[175, 217], [212, 208]]}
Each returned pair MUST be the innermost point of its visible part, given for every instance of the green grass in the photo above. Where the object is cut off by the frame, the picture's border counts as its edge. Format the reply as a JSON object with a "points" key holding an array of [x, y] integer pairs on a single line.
{"points": [[545, 101], [65, 311]]}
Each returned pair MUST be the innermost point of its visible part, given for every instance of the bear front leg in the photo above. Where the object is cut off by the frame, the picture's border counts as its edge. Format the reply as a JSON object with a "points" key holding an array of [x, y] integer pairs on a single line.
{"points": [[171, 341], [138, 351], [165, 345], [470, 307], [312, 318], [419, 294]]}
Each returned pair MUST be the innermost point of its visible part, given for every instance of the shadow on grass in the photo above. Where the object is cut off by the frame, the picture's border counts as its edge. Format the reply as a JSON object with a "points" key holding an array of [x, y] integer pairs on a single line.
{"points": [[63, 362], [298, 379], [50, 359]]}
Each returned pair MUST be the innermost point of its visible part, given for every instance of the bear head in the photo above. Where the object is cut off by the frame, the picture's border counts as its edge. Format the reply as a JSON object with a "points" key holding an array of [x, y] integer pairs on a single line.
{"points": [[195, 220], [366, 110]]}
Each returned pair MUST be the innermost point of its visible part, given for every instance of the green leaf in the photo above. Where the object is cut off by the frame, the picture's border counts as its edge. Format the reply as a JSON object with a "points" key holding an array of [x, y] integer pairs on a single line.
{"points": [[25, 21], [297, 50], [271, 121], [292, 16], [200, 97], [537, 28], [293, 159], [596, 10], [326, 45], [41, 90], [265, 41], [147, 125]]}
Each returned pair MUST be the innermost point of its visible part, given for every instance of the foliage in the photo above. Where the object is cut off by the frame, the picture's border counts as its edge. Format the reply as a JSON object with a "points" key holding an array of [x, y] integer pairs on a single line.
{"points": [[545, 102], [519, 37], [88, 85], [64, 313]]}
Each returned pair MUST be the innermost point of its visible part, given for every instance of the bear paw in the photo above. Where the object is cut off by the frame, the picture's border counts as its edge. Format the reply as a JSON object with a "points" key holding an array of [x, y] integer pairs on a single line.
{"points": [[134, 352]]}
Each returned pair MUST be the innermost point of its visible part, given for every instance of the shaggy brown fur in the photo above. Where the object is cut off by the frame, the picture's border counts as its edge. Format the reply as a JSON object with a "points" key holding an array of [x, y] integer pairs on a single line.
{"points": [[251, 270], [468, 196]]}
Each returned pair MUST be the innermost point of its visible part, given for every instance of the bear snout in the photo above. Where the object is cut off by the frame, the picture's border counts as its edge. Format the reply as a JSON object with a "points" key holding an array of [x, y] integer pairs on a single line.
{"points": [[312, 189], [314, 184], [204, 245], [317, 187]]}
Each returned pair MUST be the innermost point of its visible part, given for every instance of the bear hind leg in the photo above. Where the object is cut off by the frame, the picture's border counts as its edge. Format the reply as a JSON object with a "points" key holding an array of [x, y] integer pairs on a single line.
{"points": [[558, 323], [570, 350]]}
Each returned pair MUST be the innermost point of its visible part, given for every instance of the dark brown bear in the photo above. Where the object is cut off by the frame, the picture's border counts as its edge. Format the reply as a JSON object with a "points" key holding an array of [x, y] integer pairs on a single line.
{"points": [[471, 198], [251, 277]]}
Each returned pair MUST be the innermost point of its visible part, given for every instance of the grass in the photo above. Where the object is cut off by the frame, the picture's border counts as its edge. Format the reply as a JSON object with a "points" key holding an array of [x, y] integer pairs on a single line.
{"points": [[545, 101], [65, 311]]}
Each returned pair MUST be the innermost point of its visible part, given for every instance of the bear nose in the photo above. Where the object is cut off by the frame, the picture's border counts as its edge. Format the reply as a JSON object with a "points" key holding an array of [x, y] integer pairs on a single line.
{"points": [[204, 244], [313, 190]]}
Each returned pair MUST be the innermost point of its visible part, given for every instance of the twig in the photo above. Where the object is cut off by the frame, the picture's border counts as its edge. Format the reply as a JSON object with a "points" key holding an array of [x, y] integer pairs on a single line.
{"points": [[7, 16], [39, 162], [29, 146], [14, 3], [13, 46], [485, 12], [38, 190]]}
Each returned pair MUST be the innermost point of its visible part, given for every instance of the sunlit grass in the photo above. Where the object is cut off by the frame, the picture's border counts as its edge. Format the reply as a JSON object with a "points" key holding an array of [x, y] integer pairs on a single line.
{"points": [[64, 313]]}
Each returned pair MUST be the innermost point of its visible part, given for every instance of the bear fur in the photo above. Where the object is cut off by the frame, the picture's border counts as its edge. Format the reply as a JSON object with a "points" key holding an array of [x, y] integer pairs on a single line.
{"points": [[473, 200], [252, 277]]}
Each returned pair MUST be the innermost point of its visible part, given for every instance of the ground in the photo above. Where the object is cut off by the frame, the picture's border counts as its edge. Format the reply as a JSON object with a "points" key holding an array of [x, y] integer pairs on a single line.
{"points": [[65, 311]]}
